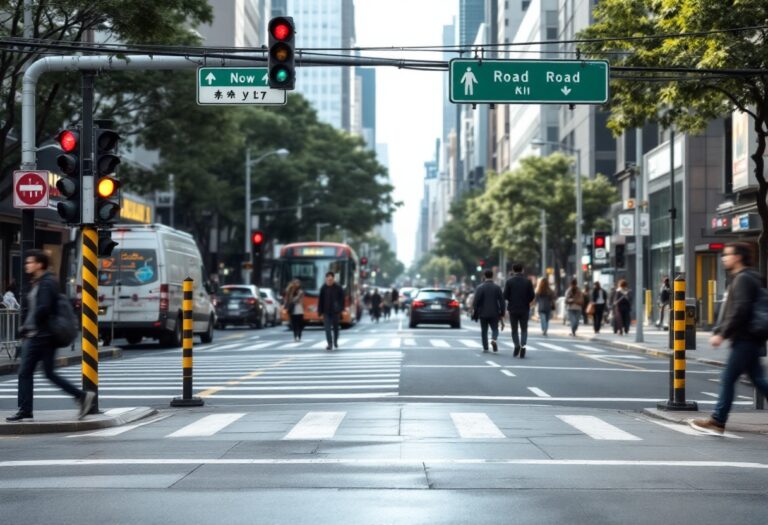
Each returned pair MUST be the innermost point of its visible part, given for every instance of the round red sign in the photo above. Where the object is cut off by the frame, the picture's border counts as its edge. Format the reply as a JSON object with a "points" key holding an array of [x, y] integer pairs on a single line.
{"points": [[31, 188]]}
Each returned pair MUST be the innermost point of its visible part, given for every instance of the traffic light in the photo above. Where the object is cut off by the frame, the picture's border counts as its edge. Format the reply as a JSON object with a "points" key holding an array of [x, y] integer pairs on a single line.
{"points": [[68, 162], [363, 261], [282, 72], [106, 244], [107, 185], [619, 249], [258, 239], [600, 248]]}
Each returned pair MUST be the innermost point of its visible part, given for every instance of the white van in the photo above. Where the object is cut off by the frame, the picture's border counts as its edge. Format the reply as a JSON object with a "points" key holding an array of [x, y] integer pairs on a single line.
{"points": [[140, 286]]}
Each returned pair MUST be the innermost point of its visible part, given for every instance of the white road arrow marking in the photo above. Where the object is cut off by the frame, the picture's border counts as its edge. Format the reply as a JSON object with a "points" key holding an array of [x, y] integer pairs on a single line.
{"points": [[210, 78], [566, 90]]}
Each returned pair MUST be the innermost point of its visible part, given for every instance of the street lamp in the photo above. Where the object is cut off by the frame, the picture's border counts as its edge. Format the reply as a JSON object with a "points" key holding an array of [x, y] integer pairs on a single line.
{"points": [[282, 153], [318, 228], [579, 213]]}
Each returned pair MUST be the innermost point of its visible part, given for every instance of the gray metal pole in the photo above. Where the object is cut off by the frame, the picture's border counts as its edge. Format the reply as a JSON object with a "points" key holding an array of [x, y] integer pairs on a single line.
{"points": [[543, 243], [579, 219], [27, 215], [638, 235], [247, 246]]}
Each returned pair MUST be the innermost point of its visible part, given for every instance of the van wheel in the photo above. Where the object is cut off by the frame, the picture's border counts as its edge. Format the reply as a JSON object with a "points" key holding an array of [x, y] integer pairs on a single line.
{"points": [[207, 336], [172, 339], [261, 322], [106, 339]]}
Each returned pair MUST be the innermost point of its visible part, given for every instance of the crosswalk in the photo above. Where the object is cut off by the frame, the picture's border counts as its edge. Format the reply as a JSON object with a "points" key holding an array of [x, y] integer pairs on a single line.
{"points": [[344, 426]]}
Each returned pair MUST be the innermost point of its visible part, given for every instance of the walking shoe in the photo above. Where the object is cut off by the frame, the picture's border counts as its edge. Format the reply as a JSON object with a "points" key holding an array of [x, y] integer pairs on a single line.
{"points": [[328, 347], [485, 350], [707, 425], [86, 403], [336, 344], [18, 416], [495, 346], [522, 352], [516, 352]]}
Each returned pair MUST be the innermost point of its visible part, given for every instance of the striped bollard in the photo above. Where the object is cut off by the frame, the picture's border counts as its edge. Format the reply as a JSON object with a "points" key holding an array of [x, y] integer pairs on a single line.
{"points": [[89, 314], [676, 399], [186, 399]]}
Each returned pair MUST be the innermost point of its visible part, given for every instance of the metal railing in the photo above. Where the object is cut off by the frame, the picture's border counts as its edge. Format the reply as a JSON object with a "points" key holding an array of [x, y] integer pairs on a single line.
{"points": [[10, 321]]}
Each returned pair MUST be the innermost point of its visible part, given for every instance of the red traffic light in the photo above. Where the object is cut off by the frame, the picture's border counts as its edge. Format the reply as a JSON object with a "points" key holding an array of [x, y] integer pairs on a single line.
{"points": [[600, 242], [257, 238], [281, 29], [68, 140], [364, 261]]}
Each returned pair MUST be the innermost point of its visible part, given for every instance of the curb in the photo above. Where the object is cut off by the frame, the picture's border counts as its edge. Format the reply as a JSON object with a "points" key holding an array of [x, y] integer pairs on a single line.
{"points": [[682, 417], [96, 423], [656, 352], [105, 353]]}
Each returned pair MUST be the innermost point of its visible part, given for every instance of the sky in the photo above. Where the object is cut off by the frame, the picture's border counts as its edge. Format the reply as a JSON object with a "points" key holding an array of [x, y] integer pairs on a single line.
{"points": [[409, 104]]}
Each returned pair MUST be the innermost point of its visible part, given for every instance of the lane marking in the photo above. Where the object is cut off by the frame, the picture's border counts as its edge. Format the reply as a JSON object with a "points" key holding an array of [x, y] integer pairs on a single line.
{"points": [[476, 425], [255, 373], [206, 426], [508, 373], [321, 344], [316, 425], [539, 392], [596, 428], [233, 336], [365, 343], [589, 348], [493, 364], [395, 343], [409, 342], [470, 343], [556, 348], [439, 343], [710, 394], [116, 431], [677, 427]]}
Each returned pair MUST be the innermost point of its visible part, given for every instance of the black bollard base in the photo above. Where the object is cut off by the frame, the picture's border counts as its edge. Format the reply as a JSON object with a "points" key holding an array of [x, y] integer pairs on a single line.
{"points": [[690, 406], [191, 402]]}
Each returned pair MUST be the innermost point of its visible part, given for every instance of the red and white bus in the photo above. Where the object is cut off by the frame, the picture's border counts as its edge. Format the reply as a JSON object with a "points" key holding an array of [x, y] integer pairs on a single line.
{"points": [[309, 262]]}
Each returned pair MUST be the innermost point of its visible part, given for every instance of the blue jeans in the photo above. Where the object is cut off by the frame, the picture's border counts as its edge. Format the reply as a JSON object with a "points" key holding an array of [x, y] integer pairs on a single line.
{"points": [[744, 358], [544, 318], [484, 324], [331, 323], [574, 316], [517, 319], [34, 350]]}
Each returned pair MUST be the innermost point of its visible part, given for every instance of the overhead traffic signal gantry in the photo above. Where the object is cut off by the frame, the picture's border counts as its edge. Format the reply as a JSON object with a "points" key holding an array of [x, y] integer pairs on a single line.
{"points": [[281, 60], [107, 184], [68, 162]]}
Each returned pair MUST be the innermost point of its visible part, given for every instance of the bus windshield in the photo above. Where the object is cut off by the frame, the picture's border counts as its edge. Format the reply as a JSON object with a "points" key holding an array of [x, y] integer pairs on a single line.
{"points": [[311, 272]]}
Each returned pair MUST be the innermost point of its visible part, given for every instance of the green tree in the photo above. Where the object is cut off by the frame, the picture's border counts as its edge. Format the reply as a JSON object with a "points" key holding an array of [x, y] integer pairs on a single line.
{"points": [[438, 269], [688, 103], [508, 214], [454, 239]]}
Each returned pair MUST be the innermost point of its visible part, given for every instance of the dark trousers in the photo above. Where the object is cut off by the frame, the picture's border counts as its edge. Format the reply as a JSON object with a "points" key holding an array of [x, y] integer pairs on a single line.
{"points": [[597, 318], [744, 358], [484, 324], [297, 324], [519, 320], [626, 320], [331, 325], [34, 350]]}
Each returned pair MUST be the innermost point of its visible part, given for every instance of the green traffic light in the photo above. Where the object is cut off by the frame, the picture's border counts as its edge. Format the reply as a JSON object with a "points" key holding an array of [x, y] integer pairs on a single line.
{"points": [[281, 75]]}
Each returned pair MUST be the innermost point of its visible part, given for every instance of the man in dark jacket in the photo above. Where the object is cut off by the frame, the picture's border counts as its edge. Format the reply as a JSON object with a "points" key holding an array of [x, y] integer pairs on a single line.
{"points": [[488, 307], [518, 292], [330, 305], [39, 344], [733, 324]]}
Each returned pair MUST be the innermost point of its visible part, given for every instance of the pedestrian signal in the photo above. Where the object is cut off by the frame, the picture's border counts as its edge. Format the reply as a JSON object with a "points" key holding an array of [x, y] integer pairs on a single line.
{"points": [[282, 73]]}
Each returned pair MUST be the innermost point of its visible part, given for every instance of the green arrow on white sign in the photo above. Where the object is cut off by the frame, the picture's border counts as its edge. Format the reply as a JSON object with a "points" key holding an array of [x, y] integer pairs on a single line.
{"points": [[237, 86]]}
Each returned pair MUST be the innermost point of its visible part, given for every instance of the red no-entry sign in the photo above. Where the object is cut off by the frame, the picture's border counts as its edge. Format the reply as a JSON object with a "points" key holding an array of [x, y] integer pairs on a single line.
{"points": [[30, 189]]}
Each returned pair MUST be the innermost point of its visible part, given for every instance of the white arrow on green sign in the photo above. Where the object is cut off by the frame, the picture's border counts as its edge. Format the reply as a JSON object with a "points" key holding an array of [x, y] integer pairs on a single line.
{"points": [[237, 86], [529, 81]]}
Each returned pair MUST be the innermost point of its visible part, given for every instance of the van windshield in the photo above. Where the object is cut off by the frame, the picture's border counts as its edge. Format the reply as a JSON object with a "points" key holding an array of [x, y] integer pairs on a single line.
{"points": [[128, 268]]}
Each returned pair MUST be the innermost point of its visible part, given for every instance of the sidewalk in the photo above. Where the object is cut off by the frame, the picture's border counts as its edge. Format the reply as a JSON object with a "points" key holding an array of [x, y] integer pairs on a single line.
{"points": [[64, 357], [47, 421]]}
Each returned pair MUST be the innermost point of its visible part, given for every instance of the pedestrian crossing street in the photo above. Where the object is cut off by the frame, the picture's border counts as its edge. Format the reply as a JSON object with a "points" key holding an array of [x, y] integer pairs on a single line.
{"points": [[388, 424]]}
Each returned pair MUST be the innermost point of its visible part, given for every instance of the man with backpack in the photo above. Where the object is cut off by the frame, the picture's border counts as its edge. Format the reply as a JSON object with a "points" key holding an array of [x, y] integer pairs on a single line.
{"points": [[735, 323], [40, 339]]}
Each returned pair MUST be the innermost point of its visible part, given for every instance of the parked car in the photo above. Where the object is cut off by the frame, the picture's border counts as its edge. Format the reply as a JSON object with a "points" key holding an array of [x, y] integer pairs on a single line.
{"points": [[240, 304], [406, 296], [272, 304], [435, 305]]}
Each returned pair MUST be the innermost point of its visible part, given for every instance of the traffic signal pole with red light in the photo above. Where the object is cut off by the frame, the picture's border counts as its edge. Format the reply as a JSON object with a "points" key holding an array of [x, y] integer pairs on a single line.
{"points": [[258, 240], [282, 53]]}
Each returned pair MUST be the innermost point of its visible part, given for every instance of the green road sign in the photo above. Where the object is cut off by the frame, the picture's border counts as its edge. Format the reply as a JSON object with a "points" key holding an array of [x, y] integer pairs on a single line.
{"points": [[529, 81], [237, 86]]}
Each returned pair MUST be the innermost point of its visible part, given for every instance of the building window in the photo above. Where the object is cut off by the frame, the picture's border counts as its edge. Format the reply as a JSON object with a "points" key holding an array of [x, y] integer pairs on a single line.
{"points": [[526, 3], [551, 33]]}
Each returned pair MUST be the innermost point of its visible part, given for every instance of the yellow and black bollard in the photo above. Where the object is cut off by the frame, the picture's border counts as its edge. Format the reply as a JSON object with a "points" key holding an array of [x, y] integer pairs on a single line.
{"points": [[186, 399], [676, 399], [89, 319]]}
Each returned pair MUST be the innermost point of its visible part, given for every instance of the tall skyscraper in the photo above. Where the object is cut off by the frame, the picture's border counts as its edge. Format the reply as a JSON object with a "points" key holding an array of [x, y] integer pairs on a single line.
{"points": [[237, 24], [326, 24], [471, 15]]}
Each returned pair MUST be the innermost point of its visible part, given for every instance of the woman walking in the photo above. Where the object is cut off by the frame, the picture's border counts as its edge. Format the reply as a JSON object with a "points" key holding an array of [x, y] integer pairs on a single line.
{"points": [[574, 299], [545, 301], [294, 302], [623, 303], [599, 300]]}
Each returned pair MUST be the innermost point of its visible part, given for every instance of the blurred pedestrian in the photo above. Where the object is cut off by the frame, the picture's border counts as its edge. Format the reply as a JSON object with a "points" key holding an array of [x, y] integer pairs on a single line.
{"points": [[545, 301], [330, 304], [488, 307], [599, 300], [396, 300], [386, 304], [587, 294], [9, 298], [38, 340], [623, 302], [574, 299], [665, 296], [734, 325], [518, 292], [294, 303]]}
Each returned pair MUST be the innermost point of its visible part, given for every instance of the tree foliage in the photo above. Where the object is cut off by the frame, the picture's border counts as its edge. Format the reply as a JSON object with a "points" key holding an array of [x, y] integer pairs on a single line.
{"points": [[454, 239], [691, 102]]}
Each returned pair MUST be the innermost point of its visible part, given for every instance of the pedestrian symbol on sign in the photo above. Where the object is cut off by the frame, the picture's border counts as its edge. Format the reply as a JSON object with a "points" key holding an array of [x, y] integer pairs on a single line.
{"points": [[469, 80]]}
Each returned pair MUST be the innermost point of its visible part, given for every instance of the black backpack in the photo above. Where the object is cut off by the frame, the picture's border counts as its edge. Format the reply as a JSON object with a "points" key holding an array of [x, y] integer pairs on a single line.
{"points": [[758, 324], [63, 323]]}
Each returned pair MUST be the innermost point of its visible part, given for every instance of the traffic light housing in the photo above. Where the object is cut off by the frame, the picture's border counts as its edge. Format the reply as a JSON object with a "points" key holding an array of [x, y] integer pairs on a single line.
{"points": [[107, 185], [619, 249], [258, 240], [599, 248], [106, 244], [282, 53], [69, 186]]}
